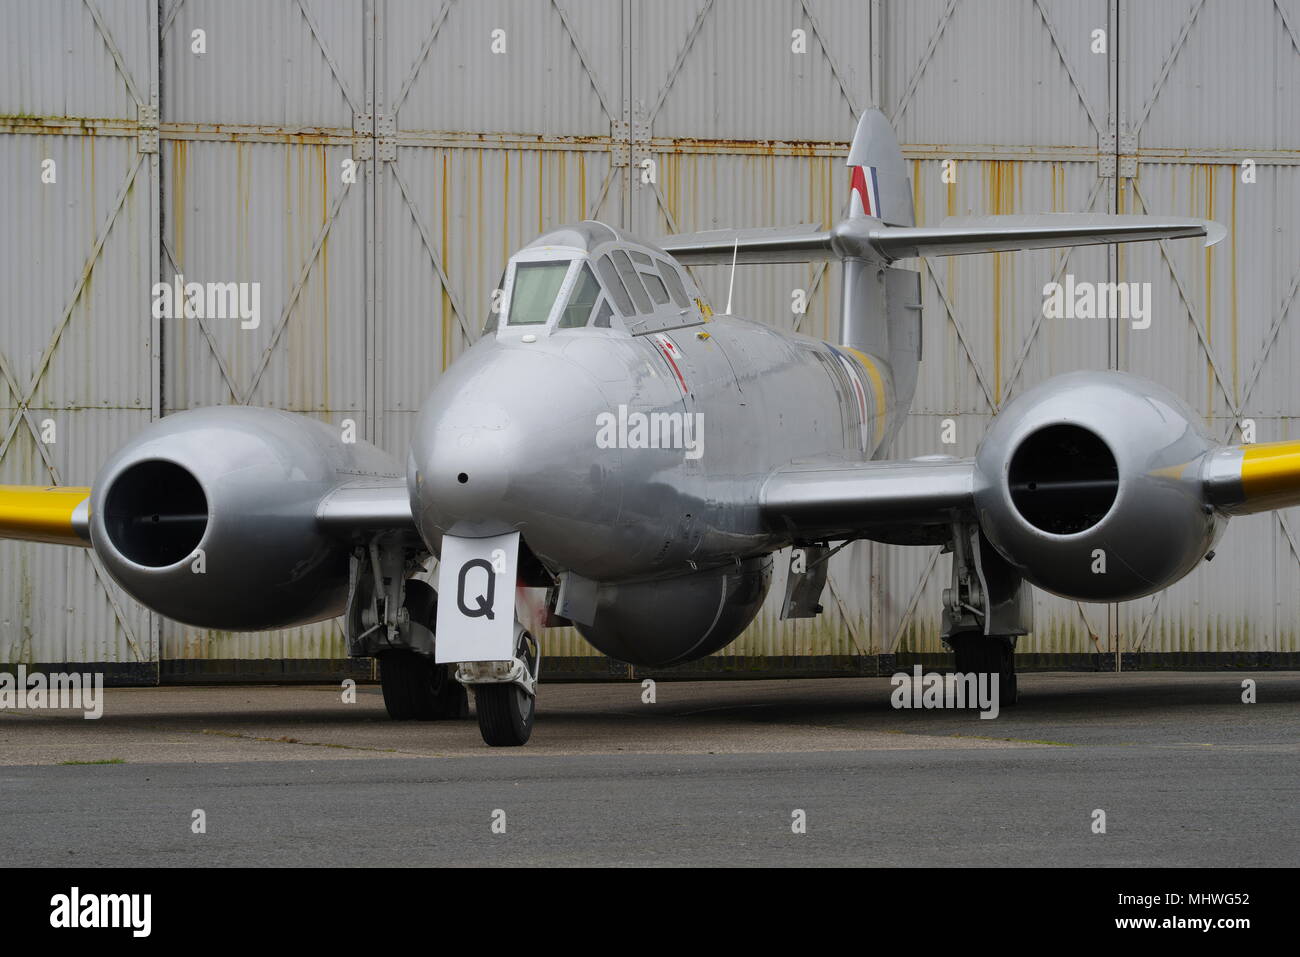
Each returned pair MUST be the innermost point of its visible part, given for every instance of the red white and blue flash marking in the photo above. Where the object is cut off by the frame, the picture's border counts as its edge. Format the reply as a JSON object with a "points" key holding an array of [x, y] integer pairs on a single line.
{"points": [[864, 198], [671, 354]]}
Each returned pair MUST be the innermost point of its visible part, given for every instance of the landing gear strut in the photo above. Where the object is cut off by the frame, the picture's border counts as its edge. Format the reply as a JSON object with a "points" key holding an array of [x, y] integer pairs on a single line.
{"points": [[986, 608]]}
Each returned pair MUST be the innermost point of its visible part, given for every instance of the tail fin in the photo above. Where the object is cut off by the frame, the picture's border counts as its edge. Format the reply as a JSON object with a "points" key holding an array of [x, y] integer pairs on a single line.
{"points": [[878, 183]]}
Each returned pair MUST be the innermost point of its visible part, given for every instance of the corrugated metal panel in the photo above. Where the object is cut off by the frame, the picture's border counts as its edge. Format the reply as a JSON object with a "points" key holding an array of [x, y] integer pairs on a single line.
{"points": [[1185, 88], [58, 62], [547, 80], [728, 70], [276, 214], [285, 65], [75, 270], [493, 149], [54, 608], [996, 343], [1001, 72]]}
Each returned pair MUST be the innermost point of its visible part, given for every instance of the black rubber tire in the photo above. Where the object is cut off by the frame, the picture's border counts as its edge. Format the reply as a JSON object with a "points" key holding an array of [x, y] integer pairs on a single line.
{"points": [[415, 688], [988, 654], [505, 715], [506, 712]]}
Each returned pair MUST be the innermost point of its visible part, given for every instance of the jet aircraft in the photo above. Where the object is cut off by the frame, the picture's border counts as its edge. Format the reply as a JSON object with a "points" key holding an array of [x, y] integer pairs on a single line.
{"points": [[612, 439]]}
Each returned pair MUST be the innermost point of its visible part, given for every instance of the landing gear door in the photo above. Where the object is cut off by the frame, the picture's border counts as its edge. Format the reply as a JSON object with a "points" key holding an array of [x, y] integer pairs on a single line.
{"points": [[476, 599]]}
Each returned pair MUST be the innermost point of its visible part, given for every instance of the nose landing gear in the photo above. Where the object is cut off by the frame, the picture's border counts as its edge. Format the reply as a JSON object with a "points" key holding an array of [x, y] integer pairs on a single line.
{"points": [[505, 692]]}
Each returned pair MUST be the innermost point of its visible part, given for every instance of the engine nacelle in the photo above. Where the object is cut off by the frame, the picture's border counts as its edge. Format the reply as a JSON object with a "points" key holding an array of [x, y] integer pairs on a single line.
{"points": [[209, 516], [675, 620], [1091, 485]]}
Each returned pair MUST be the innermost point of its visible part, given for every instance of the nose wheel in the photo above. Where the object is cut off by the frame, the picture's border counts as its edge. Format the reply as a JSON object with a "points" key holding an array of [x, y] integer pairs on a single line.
{"points": [[507, 702]]}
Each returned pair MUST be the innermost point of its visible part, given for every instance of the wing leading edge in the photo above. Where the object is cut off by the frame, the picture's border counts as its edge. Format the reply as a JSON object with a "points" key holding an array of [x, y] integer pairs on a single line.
{"points": [[837, 500], [866, 238]]}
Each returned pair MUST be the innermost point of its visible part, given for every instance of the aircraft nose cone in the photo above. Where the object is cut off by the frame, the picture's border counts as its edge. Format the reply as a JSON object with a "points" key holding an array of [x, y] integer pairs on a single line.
{"points": [[505, 442], [469, 460], [462, 464]]}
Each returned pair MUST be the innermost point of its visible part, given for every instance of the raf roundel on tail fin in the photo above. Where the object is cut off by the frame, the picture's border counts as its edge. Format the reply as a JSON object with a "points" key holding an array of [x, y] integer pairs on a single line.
{"points": [[878, 183]]}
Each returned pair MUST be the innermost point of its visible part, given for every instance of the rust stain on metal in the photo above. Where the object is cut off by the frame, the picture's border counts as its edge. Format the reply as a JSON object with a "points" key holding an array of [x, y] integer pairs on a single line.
{"points": [[505, 207], [447, 308], [325, 403], [1232, 297]]}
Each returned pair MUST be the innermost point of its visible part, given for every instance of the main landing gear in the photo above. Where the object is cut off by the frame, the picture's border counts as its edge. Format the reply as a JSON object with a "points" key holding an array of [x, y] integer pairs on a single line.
{"points": [[985, 609], [415, 688], [977, 653]]}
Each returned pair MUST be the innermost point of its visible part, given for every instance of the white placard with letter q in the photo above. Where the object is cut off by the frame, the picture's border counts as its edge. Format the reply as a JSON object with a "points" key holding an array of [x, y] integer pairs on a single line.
{"points": [[476, 599]]}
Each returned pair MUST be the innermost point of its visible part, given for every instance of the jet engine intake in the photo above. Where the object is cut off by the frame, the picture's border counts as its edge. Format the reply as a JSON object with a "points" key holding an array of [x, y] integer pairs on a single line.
{"points": [[1093, 486]]}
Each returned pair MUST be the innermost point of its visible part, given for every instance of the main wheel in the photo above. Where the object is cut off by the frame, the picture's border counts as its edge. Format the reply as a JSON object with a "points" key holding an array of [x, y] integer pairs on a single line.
{"points": [[415, 688], [505, 711], [987, 654]]}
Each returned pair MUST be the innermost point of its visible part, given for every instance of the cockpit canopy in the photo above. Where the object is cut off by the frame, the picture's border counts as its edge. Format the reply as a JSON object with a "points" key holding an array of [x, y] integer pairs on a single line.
{"points": [[593, 276]]}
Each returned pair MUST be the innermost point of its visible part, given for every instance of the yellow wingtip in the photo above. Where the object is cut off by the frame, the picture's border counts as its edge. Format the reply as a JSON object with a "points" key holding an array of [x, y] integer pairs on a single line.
{"points": [[35, 513]]}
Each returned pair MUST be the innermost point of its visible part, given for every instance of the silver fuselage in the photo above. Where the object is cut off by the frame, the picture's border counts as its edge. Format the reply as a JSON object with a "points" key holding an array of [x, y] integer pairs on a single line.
{"points": [[520, 420]]}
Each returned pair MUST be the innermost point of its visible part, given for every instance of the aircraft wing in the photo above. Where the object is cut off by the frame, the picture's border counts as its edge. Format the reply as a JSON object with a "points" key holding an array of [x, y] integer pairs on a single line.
{"points": [[836, 500], [912, 501], [955, 236], [361, 509], [60, 515]]}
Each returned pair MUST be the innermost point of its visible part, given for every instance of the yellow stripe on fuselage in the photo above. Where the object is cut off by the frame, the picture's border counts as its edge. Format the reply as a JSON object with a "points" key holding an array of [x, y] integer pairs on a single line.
{"points": [[878, 389], [1270, 474], [35, 513]]}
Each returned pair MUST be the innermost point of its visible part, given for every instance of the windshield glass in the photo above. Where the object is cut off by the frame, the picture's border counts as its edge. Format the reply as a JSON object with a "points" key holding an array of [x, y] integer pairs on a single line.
{"points": [[583, 297], [536, 286]]}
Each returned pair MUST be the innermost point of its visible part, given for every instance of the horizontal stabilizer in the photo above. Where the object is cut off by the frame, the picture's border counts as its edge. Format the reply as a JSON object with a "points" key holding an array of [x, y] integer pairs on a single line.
{"points": [[775, 244], [960, 236], [867, 238]]}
